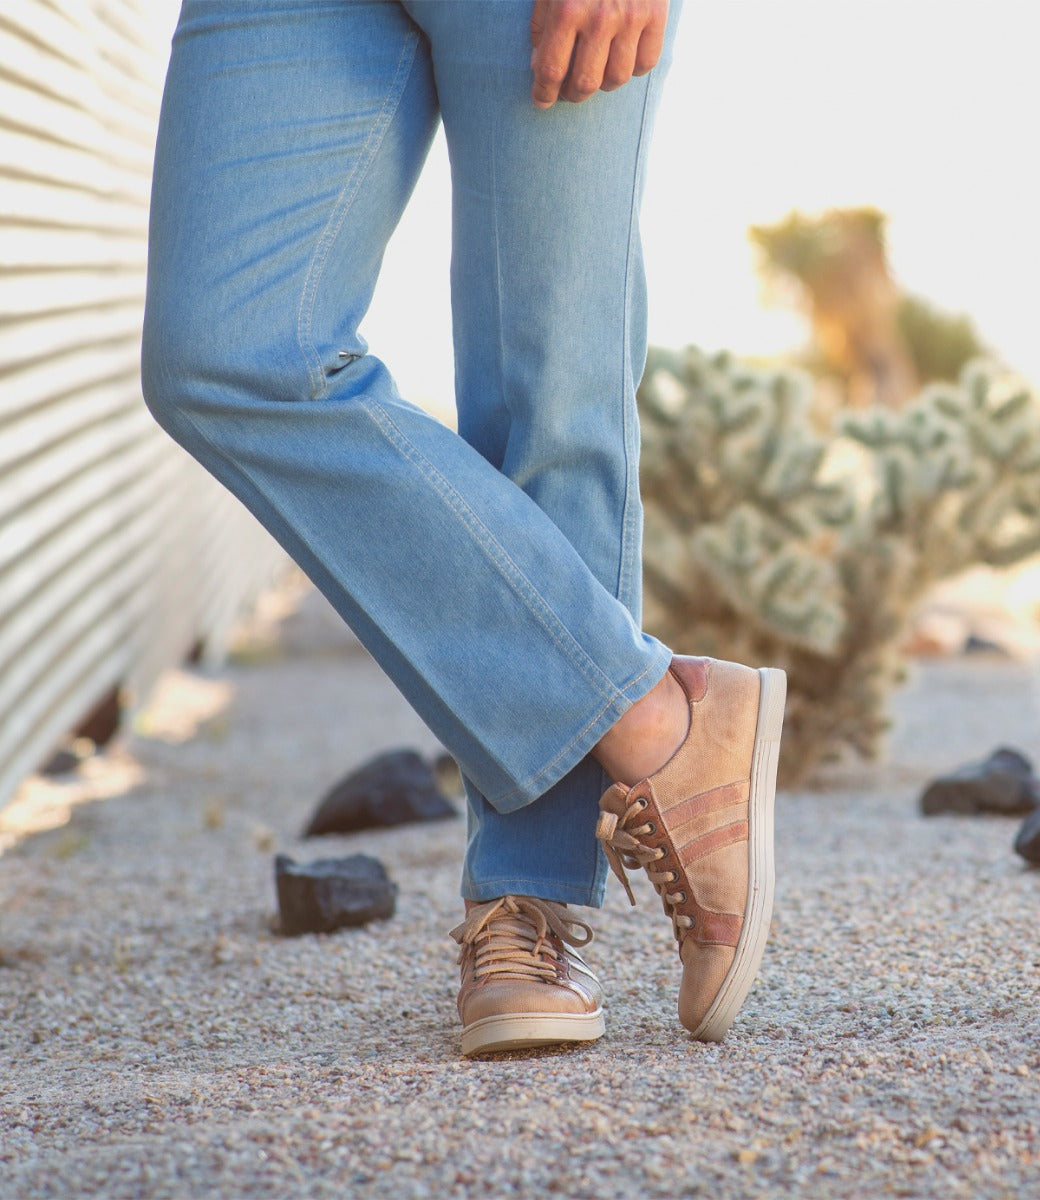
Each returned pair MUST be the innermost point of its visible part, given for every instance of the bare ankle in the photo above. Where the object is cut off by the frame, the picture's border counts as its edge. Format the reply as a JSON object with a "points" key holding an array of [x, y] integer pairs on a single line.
{"points": [[647, 736]]}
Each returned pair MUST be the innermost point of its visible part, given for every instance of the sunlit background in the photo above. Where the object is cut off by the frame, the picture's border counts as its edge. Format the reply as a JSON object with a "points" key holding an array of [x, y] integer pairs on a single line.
{"points": [[924, 110]]}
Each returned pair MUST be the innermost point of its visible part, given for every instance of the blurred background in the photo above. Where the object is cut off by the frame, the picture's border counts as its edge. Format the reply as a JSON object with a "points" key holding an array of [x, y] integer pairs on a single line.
{"points": [[913, 119], [922, 110]]}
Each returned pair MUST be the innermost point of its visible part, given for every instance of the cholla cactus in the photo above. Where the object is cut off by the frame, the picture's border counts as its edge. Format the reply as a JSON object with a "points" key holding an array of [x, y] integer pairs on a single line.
{"points": [[769, 542]]}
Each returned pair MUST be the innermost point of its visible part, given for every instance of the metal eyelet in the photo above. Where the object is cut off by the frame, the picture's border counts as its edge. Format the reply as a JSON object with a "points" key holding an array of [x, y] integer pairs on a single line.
{"points": [[651, 828]]}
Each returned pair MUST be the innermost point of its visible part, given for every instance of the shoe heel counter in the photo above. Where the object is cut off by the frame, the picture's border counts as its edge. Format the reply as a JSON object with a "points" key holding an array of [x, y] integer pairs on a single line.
{"points": [[728, 719]]}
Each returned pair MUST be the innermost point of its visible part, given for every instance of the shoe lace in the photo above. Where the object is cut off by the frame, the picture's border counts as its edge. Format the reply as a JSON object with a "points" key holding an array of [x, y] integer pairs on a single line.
{"points": [[513, 937], [620, 839]]}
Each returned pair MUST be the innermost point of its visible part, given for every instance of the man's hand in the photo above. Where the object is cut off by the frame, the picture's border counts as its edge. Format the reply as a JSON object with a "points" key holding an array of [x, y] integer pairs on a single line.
{"points": [[584, 46]]}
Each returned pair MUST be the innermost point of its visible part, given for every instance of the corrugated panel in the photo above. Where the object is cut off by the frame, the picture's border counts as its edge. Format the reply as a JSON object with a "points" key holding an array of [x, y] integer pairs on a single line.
{"points": [[117, 553]]}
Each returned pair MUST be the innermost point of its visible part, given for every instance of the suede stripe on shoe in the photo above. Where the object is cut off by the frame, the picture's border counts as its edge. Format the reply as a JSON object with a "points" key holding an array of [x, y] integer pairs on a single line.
{"points": [[712, 928], [704, 803], [708, 843], [709, 928]]}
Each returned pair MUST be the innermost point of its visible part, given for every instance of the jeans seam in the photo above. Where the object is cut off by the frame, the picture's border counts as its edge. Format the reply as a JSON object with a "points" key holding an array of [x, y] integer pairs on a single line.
{"points": [[346, 197], [524, 788], [505, 882], [493, 166], [533, 781], [523, 587], [629, 413], [524, 590]]}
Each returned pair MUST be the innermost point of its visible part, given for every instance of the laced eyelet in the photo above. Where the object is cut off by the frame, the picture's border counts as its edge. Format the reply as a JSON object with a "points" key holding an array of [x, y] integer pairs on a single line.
{"points": [[680, 898], [651, 827]]}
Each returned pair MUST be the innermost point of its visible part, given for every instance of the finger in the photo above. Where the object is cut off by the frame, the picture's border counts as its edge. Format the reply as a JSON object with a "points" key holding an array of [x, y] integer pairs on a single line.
{"points": [[651, 43], [621, 62], [551, 58], [586, 73]]}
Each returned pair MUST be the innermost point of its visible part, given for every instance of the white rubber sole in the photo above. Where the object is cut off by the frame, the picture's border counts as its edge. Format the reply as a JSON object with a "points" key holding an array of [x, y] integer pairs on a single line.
{"points": [[518, 1031], [758, 911]]}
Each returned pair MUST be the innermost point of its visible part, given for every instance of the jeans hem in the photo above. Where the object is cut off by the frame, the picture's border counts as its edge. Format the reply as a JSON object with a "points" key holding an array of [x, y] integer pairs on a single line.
{"points": [[577, 749], [541, 889]]}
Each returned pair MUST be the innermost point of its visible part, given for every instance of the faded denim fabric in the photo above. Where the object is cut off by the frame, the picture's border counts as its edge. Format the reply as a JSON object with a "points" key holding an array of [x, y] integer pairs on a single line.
{"points": [[493, 573]]}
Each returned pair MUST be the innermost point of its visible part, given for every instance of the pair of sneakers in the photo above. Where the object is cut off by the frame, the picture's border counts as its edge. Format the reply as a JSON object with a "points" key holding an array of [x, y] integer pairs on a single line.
{"points": [[702, 828]]}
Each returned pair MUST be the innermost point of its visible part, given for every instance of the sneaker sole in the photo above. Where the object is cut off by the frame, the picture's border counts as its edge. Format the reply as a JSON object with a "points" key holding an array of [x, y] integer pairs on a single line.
{"points": [[761, 872], [524, 1030]]}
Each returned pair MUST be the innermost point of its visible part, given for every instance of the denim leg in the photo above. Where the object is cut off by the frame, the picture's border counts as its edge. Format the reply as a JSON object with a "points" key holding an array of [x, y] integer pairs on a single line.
{"points": [[549, 319], [290, 139]]}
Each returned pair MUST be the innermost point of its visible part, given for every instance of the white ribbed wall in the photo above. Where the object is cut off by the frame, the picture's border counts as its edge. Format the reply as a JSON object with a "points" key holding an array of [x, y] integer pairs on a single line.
{"points": [[117, 553]]}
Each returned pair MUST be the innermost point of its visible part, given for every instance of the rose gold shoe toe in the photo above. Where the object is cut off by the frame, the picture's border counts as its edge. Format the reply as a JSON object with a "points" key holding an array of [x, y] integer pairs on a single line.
{"points": [[523, 983]]}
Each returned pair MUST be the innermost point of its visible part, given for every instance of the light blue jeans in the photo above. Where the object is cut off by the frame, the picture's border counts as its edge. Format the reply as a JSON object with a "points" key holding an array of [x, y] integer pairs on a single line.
{"points": [[495, 573]]}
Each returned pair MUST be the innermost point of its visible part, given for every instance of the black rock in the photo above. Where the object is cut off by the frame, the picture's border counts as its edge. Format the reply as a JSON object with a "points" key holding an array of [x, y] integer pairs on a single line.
{"points": [[331, 893], [61, 762], [1002, 784], [974, 644], [392, 789], [1027, 840]]}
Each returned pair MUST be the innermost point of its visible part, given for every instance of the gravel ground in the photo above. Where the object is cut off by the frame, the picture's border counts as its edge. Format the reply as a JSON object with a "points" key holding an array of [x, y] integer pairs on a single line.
{"points": [[158, 1040]]}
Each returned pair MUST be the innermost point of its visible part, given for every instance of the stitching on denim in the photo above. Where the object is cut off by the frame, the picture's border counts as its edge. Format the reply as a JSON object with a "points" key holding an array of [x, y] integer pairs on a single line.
{"points": [[628, 570], [626, 564], [516, 885], [530, 785], [620, 696], [550, 769], [493, 166], [346, 197], [525, 590]]}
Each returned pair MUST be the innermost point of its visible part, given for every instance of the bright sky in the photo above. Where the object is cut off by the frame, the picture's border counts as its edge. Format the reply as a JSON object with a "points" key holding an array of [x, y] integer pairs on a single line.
{"points": [[924, 109]]}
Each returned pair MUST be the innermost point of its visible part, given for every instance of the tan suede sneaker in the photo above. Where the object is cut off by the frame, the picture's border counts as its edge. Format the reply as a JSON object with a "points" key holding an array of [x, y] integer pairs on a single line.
{"points": [[702, 827], [521, 983]]}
